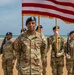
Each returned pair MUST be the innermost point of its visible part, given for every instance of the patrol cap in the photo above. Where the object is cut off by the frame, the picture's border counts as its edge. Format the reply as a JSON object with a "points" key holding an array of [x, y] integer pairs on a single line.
{"points": [[9, 33], [30, 19], [55, 27], [39, 26], [71, 32]]}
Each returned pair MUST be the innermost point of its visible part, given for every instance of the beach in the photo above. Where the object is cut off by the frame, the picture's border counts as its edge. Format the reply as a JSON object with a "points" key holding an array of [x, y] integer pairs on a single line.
{"points": [[48, 69]]}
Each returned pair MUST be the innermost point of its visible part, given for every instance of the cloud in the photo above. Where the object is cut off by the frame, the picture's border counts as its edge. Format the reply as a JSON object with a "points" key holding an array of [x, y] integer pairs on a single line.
{"points": [[6, 2]]}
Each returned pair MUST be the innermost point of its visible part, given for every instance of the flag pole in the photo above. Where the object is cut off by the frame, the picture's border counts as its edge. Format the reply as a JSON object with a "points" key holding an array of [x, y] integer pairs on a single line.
{"points": [[39, 23], [38, 20], [22, 22], [56, 21]]}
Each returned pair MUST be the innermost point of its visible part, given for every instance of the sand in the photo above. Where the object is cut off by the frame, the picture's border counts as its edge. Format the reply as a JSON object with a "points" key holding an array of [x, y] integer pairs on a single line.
{"points": [[48, 69]]}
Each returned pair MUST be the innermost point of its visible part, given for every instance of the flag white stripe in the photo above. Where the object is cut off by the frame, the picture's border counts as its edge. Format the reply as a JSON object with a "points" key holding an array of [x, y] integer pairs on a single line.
{"points": [[70, 1], [48, 11], [51, 3]]}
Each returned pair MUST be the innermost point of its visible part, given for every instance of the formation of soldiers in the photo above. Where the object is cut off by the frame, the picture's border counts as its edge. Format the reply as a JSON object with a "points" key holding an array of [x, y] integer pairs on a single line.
{"points": [[30, 49]]}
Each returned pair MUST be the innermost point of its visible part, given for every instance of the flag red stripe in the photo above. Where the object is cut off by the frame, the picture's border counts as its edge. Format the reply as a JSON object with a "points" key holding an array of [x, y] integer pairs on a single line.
{"points": [[62, 3], [48, 14], [65, 3], [62, 9], [47, 6]]}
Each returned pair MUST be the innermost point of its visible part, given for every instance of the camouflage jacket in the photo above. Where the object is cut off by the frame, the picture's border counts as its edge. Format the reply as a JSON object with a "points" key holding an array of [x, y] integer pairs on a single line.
{"points": [[71, 51], [30, 51], [8, 50], [52, 42]]}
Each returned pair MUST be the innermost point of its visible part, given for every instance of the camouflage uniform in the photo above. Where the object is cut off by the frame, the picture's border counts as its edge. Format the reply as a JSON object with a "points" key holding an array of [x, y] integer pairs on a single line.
{"points": [[70, 61], [29, 51], [7, 58], [44, 63], [57, 63]]}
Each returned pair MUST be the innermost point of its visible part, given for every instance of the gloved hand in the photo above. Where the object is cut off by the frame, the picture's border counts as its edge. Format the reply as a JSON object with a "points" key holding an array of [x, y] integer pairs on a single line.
{"points": [[58, 54], [68, 56]]}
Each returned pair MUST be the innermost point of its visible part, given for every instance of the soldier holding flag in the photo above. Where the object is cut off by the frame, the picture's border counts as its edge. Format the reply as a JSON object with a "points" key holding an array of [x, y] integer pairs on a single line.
{"points": [[57, 56], [44, 63], [69, 50]]}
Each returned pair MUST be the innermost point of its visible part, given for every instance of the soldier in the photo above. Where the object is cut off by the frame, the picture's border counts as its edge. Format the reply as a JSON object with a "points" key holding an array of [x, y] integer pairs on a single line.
{"points": [[22, 32], [8, 55], [44, 63], [57, 56], [39, 29], [29, 48], [4, 40], [69, 50]]}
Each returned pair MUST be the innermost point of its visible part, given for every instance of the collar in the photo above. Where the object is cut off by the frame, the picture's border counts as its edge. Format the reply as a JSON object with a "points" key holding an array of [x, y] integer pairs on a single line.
{"points": [[71, 40], [36, 35]]}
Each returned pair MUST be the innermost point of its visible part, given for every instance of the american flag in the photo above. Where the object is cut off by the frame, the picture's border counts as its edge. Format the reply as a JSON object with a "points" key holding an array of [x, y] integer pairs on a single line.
{"points": [[63, 9]]}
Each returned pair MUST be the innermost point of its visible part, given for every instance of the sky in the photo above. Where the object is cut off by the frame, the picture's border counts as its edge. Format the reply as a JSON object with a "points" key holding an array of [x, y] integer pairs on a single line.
{"points": [[11, 20]]}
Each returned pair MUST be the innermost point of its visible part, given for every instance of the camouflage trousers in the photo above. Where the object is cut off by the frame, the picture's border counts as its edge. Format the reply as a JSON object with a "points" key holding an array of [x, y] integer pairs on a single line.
{"points": [[29, 74], [7, 66], [57, 65], [20, 73], [44, 67], [70, 66]]}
